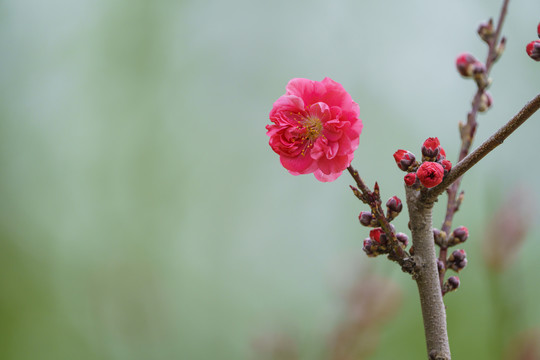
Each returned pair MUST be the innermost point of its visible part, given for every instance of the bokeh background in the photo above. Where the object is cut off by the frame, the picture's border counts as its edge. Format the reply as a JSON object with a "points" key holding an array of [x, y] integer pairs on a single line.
{"points": [[144, 216]]}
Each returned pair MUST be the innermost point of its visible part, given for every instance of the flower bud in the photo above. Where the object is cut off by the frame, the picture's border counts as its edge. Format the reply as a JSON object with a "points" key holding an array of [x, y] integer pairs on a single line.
{"points": [[430, 174], [478, 68], [403, 239], [533, 50], [451, 284], [453, 281], [365, 218], [457, 260], [485, 101], [500, 48], [439, 237], [369, 248], [431, 148], [465, 64], [442, 154], [461, 234], [458, 255], [538, 29], [375, 234], [479, 73], [410, 179], [447, 165], [486, 31], [440, 265], [393, 207], [404, 159]]}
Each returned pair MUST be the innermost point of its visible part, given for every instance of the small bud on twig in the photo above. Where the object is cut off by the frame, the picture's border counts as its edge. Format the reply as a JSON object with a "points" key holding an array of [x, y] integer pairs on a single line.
{"points": [[404, 159], [457, 260], [465, 64], [533, 50], [451, 284], [366, 218], [485, 102], [431, 149], [393, 207], [486, 31]]}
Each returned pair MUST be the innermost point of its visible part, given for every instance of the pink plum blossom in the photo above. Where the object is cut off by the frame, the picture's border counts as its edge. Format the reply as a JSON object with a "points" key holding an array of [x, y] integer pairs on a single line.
{"points": [[315, 128]]}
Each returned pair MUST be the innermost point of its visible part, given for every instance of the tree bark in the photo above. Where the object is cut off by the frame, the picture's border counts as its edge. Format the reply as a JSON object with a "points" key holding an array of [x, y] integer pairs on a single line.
{"points": [[427, 276]]}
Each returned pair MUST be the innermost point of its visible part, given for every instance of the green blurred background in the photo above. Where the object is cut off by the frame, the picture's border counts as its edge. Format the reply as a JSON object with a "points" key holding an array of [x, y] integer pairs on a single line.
{"points": [[144, 216]]}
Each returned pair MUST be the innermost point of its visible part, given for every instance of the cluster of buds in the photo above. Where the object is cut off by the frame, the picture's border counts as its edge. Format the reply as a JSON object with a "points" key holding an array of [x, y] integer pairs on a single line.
{"points": [[393, 208], [469, 67], [533, 48], [458, 236], [431, 171], [377, 243], [457, 260]]}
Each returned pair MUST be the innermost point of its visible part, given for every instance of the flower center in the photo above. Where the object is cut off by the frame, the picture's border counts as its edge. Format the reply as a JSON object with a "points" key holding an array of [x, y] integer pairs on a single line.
{"points": [[314, 127]]}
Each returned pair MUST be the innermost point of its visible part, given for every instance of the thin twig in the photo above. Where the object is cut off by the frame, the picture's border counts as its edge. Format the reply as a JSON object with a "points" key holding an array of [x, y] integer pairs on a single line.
{"points": [[373, 199], [468, 131], [491, 143]]}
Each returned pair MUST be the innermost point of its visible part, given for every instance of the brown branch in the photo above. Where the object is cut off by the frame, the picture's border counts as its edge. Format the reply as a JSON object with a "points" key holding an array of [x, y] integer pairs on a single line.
{"points": [[427, 275], [491, 143]]}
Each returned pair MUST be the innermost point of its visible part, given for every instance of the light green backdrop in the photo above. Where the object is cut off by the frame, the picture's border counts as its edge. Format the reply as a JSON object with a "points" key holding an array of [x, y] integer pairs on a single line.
{"points": [[144, 216]]}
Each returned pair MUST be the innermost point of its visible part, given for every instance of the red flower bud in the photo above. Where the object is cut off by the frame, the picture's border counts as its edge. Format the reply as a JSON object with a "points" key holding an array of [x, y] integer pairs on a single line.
{"points": [[410, 179], [404, 159], [442, 154], [461, 234], [394, 204], [465, 64], [430, 174], [533, 50], [431, 147], [447, 165], [485, 101], [375, 234], [538, 30]]}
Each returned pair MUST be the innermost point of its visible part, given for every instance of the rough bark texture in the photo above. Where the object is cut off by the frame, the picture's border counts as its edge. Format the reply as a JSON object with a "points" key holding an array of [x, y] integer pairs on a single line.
{"points": [[427, 279]]}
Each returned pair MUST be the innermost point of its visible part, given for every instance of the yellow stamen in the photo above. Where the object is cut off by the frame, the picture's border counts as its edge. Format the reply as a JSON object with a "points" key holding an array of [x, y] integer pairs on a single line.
{"points": [[313, 126]]}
